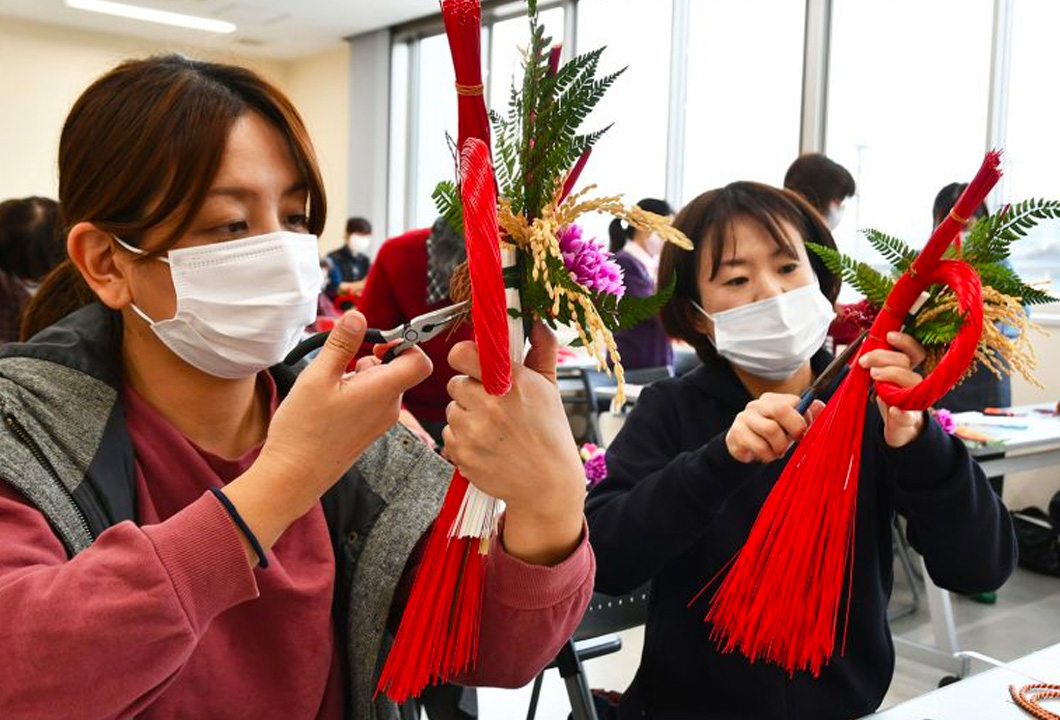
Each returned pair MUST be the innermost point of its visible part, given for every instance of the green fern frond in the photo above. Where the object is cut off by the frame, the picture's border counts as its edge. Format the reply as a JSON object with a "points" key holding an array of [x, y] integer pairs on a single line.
{"points": [[538, 140], [896, 252], [446, 198], [863, 277]]}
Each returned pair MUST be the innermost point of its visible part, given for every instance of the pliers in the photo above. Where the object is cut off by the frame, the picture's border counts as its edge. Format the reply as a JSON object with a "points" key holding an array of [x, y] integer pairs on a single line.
{"points": [[415, 331]]}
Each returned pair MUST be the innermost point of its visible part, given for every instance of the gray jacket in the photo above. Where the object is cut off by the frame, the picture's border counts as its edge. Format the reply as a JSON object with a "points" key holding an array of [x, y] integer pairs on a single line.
{"points": [[64, 445]]}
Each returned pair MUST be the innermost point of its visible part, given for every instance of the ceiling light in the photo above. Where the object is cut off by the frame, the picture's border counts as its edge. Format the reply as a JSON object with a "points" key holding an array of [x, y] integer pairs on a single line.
{"points": [[135, 12]]}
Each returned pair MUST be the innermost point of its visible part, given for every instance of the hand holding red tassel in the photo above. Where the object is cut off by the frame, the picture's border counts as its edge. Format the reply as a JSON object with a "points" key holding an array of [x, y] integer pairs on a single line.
{"points": [[901, 427], [516, 447]]}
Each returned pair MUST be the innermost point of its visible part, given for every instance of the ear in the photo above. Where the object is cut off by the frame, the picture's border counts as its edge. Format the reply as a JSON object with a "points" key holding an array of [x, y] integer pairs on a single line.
{"points": [[101, 264], [699, 322]]}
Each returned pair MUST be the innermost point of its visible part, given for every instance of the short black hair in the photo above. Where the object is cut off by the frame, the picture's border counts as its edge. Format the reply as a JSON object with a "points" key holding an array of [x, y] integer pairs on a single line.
{"points": [[820, 180], [31, 241], [358, 226], [947, 198], [707, 222]]}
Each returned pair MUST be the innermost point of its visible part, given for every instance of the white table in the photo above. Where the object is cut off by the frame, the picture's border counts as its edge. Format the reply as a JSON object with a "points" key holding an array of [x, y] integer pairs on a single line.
{"points": [[985, 695], [1027, 440]]}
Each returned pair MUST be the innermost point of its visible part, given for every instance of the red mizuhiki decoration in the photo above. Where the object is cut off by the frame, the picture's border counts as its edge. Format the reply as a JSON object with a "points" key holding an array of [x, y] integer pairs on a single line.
{"points": [[438, 636], [439, 632], [781, 598]]}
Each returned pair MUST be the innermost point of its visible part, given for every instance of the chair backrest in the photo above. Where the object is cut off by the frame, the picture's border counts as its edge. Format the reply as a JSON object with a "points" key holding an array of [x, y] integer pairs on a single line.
{"points": [[646, 376], [611, 614]]}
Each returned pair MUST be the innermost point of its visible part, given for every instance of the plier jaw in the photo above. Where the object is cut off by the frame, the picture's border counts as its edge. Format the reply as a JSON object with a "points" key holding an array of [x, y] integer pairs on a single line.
{"points": [[417, 330]]}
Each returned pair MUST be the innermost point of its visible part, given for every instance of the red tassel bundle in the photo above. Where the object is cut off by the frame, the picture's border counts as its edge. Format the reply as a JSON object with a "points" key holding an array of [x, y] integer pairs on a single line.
{"points": [[438, 636], [780, 600], [463, 26]]}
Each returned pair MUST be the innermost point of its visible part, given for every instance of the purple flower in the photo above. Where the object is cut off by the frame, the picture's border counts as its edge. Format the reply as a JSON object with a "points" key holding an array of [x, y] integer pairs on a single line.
{"points": [[595, 468], [589, 264], [945, 419]]}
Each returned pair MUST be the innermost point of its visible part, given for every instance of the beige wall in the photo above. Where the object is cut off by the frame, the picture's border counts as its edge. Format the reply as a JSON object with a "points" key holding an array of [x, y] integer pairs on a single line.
{"points": [[44, 68], [319, 87]]}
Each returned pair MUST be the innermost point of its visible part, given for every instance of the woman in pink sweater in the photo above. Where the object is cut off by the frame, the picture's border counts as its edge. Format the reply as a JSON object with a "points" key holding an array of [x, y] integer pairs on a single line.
{"points": [[192, 530]]}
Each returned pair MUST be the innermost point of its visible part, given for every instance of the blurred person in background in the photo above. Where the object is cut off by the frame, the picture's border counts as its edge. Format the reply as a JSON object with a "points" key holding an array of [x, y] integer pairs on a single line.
{"points": [[637, 252], [30, 246]]}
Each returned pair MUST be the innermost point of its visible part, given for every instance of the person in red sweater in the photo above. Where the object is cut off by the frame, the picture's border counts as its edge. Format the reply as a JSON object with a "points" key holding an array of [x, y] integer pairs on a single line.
{"points": [[193, 529], [410, 276]]}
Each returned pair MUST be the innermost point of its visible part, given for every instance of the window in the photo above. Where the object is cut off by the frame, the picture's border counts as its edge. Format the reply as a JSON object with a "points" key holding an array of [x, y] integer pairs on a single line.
{"points": [[631, 157], [399, 133], [509, 40], [436, 104], [744, 91], [907, 108], [1032, 146]]}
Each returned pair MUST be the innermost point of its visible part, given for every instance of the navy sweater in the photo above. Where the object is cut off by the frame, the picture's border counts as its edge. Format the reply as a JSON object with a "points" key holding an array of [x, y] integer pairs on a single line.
{"points": [[676, 507]]}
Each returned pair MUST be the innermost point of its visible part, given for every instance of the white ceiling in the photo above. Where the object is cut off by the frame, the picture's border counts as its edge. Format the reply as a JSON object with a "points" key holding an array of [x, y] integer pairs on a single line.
{"points": [[281, 29]]}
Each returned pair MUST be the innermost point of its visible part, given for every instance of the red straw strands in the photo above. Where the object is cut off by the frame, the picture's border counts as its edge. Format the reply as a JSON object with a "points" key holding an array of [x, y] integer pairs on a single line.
{"points": [[439, 632], [463, 25], [780, 600], [488, 307]]}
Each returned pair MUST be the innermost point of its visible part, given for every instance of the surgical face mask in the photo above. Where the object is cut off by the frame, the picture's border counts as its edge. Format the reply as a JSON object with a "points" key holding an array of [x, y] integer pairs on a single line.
{"points": [[835, 216], [242, 305], [359, 244], [772, 338]]}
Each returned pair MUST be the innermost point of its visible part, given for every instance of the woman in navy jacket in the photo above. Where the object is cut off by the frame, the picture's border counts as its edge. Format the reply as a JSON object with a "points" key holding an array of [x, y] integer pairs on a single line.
{"points": [[700, 453]]}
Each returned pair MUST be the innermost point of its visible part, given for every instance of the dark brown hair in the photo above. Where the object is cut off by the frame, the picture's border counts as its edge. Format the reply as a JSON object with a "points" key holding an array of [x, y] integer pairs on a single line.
{"points": [[142, 146], [820, 180], [707, 221], [30, 241], [358, 225], [947, 198]]}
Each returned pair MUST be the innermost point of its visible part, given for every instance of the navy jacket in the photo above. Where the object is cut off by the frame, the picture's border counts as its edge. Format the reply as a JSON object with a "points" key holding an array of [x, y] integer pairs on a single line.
{"points": [[676, 507]]}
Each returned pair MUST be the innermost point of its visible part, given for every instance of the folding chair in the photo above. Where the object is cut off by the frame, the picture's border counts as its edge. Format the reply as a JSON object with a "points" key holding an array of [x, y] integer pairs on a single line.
{"points": [[594, 637]]}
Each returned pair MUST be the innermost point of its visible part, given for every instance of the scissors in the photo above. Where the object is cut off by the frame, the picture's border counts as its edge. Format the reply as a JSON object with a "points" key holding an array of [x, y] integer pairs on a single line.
{"points": [[417, 330], [835, 372]]}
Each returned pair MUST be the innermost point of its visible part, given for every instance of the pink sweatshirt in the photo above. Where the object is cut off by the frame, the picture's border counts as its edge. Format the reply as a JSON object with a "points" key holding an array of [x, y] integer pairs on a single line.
{"points": [[167, 619]]}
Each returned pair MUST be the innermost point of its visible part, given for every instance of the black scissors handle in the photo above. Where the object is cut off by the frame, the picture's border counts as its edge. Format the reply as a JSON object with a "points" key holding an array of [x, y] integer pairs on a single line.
{"points": [[317, 340]]}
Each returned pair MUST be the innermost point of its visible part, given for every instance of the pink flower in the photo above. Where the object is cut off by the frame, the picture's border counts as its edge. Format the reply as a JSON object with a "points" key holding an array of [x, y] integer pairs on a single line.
{"points": [[596, 468], [593, 458], [589, 264], [945, 419]]}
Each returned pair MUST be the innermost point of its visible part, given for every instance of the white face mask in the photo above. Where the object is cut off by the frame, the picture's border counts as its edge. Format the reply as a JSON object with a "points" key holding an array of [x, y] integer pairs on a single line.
{"points": [[242, 305], [772, 338], [359, 244], [835, 216]]}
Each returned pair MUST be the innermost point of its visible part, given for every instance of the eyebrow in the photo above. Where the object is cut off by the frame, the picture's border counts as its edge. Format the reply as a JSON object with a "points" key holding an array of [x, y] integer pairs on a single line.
{"points": [[738, 262], [240, 192]]}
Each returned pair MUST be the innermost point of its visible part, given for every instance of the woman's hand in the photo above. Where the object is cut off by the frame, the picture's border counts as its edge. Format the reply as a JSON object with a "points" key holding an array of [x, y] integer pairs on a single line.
{"points": [[327, 420], [900, 427], [518, 447], [768, 426]]}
